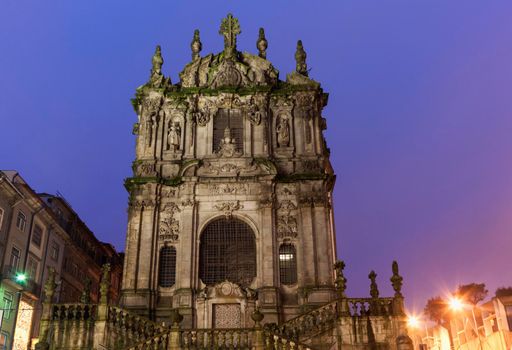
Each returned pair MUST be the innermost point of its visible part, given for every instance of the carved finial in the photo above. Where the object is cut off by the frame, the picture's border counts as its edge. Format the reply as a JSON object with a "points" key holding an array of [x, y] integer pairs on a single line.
{"points": [[340, 282], [262, 44], [396, 280], [175, 318], [257, 317], [49, 286], [196, 45], [229, 28], [374, 290], [300, 58], [157, 79], [85, 298], [105, 283]]}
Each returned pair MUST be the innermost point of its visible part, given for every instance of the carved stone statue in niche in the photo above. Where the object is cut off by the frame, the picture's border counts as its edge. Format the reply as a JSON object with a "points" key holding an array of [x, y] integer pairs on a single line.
{"points": [[173, 136], [228, 145], [150, 129], [283, 132]]}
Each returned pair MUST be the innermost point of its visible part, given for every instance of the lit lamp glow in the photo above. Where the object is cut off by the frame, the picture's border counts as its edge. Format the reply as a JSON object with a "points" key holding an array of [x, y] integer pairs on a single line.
{"points": [[20, 277], [413, 322], [456, 304]]}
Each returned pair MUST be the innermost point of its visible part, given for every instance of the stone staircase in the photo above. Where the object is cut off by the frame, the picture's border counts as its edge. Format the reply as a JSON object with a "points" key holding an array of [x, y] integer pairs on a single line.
{"points": [[345, 323]]}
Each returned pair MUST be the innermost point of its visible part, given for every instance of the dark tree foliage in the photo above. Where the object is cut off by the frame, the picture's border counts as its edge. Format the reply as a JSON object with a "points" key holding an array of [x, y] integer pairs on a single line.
{"points": [[504, 292], [472, 292], [437, 310]]}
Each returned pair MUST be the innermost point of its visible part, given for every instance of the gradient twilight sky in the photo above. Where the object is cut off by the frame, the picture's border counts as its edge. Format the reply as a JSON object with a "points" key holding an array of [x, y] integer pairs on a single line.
{"points": [[419, 117]]}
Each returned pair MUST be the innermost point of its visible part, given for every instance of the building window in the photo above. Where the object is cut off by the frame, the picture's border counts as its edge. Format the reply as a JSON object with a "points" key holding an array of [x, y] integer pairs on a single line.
{"points": [[227, 252], [167, 267], [32, 265], [54, 251], [21, 221], [15, 259], [4, 341], [287, 264], [231, 119], [37, 235], [7, 305], [1, 222]]}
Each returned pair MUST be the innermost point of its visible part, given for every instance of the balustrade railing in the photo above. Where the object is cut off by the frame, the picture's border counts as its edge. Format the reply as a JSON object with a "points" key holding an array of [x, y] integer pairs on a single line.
{"points": [[236, 338], [157, 342], [312, 322], [274, 341], [76, 312], [132, 327], [358, 307]]}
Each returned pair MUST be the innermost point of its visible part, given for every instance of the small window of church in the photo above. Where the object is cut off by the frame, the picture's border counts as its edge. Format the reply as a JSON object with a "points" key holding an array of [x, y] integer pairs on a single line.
{"points": [[227, 252], [167, 267], [228, 121], [287, 264]]}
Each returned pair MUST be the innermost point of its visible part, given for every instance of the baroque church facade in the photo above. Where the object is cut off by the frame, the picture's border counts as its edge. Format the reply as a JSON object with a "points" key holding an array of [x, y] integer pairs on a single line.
{"points": [[230, 240], [231, 199]]}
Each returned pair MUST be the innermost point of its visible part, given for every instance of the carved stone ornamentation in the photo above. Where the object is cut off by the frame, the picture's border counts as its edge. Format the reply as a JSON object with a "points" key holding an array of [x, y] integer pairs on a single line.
{"points": [[169, 225], [287, 220], [229, 28], [202, 117], [196, 45], [146, 169], [228, 207], [236, 188], [262, 44]]}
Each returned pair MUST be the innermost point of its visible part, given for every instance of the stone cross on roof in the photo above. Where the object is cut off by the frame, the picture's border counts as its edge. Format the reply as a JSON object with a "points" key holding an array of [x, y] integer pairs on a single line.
{"points": [[229, 28]]}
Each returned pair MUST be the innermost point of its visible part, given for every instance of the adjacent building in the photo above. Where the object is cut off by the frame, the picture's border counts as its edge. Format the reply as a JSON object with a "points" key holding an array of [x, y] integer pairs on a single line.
{"points": [[486, 327], [39, 232]]}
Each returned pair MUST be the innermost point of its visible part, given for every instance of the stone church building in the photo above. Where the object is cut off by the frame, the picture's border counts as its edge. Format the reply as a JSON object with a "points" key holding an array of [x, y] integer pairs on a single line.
{"points": [[230, 221]]}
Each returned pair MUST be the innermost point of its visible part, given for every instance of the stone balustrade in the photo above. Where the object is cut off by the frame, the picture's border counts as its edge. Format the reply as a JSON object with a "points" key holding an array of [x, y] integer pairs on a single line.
{"points": [[359, 307], [315, 321], [133, 328], [157, 342], [237, 338], [273, 341], [75, 312]]}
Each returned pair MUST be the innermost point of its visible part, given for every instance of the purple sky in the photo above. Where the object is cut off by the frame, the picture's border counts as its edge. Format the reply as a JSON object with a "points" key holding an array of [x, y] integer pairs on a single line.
{"points": [[419, 117]]}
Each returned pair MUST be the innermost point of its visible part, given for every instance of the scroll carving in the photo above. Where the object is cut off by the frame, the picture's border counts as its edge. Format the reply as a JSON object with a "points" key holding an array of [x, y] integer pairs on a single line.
{"points": [[287, 219], [229, 207]]}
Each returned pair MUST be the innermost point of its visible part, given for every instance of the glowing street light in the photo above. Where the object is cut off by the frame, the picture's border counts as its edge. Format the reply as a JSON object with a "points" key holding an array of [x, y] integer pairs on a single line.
{"points": [[20, 277], [413, 322], [455, 304]]}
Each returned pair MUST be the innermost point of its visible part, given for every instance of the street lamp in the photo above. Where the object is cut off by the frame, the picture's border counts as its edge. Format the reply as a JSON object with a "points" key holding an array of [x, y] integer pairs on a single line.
{"points": [[456, 304], [20, 277]]}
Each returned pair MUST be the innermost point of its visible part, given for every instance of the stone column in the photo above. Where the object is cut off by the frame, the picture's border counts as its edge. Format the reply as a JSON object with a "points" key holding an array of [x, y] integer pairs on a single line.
{"points": [[100, 324]]}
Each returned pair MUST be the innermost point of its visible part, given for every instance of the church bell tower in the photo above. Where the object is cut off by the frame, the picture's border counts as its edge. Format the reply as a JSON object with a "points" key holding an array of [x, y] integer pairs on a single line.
{"points": [[230, 203]]}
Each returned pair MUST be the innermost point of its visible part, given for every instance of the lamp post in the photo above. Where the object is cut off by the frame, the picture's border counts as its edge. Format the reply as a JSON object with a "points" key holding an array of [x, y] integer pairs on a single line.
{"points": [[457, 305]]}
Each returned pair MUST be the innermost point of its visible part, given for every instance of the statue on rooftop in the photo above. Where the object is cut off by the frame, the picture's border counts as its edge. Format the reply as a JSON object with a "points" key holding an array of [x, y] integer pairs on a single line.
{"points": [[300, 58]]}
